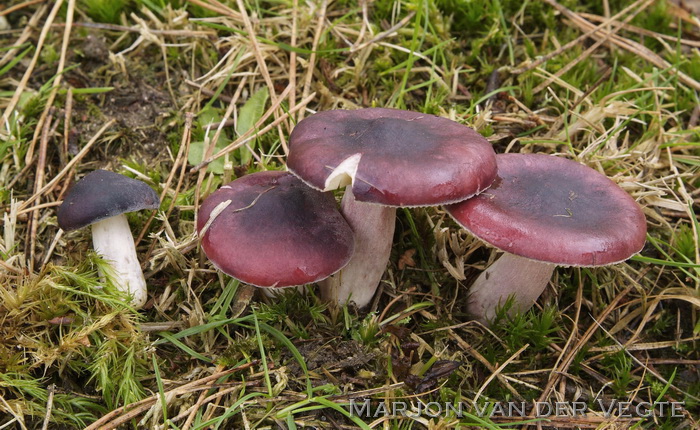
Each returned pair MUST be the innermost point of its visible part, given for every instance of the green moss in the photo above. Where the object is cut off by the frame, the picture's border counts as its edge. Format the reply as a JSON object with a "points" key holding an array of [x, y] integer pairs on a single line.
{"points": [[107, 11]]}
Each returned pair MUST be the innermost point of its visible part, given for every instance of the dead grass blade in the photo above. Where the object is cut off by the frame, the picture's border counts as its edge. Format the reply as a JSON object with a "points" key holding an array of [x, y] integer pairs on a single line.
{"points": [[68, 166], [587, 53], [252, 133], [30, 68], [126, 413], [629, 45]]}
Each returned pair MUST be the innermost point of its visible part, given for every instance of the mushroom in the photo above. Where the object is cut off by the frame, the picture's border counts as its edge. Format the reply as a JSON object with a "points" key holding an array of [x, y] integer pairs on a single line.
{"points": [[270, 230], [543, 212], [392, 158], [102, 199]]}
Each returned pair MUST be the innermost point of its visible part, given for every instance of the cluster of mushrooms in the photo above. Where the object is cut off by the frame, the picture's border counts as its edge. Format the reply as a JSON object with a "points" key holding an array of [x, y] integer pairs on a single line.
{"points": [[281, 229]]}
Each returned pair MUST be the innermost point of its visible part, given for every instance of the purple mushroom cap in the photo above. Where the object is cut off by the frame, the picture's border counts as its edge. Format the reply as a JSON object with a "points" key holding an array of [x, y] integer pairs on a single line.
{"points": [[272, 230], [554, 210], [405, 158], [102, 194]]}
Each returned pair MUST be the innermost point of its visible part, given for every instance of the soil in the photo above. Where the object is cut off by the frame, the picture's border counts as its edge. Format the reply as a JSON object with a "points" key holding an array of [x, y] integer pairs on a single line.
{"points": [[342, 359], [138, 101]]}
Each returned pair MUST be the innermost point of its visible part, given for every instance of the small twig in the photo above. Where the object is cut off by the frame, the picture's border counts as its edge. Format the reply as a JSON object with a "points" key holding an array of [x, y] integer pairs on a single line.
{"points": [[49, 251], [151, 327], [603, 78], [226, 123], [293, 56], [187, 138], [606, 11], [693, 121], [561, 422], [11, 268], [139, 29], [643, 31], [255, 200], [38, 183], [318, 31], [192, 410], [67, 124], [59, 75], [49, 407], [493, 83], [207, 92], [17, 7], [218, 8], [365, 23]]}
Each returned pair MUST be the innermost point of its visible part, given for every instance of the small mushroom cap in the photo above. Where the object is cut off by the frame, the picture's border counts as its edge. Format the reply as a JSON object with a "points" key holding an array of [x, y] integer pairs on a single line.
{"points": [[271, 230], [403, 158], [554, 210], [102, 194]]}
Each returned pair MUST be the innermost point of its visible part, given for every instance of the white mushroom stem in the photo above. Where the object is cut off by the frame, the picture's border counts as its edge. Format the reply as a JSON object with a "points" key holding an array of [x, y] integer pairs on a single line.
{"points": [[373, 226], [520, 277], [112, 239]]}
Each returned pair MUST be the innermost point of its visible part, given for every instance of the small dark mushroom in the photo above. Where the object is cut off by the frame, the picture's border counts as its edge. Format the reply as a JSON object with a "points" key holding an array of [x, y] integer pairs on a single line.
{"points": [[102, 199]]}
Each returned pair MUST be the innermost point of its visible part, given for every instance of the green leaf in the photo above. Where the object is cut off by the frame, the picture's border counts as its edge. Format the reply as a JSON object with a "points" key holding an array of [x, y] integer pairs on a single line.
{"points": [[196, 156], [250, 113], [671, 263], [93, 90], [191, 352], [14, 61], [197, 148]]}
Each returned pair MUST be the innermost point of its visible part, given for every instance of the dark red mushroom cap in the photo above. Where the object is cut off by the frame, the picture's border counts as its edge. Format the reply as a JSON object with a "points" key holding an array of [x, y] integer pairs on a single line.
{"points": [[406, 158], [554, 210], [275, 232], [102, 194]]}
